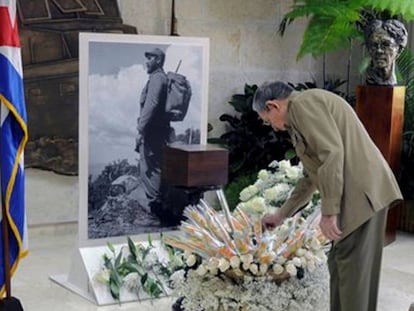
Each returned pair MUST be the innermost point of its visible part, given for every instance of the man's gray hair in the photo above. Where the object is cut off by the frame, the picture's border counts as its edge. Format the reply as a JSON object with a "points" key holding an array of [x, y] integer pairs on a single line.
{"points": [[269, 91]]}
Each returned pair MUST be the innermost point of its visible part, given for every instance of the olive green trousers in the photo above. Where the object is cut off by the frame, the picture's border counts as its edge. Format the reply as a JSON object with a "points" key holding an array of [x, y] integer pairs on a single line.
{"points": [[355, 265]]}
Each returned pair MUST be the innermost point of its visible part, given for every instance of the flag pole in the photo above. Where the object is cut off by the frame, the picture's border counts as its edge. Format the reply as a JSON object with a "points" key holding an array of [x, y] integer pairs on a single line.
{"points": [[6, 250]]}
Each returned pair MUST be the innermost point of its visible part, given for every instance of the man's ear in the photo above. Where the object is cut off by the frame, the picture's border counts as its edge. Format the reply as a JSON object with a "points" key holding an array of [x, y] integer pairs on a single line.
{"points": [[272, 104]]}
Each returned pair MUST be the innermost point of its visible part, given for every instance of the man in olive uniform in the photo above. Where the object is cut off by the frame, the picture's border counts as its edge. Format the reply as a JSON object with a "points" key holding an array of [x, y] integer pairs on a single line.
{"points": [[153, 128], [354, 180]]}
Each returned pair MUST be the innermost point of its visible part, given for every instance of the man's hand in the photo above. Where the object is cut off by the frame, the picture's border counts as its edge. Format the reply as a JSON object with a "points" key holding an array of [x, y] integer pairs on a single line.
{"points": [[329, 227], [271, 221]]}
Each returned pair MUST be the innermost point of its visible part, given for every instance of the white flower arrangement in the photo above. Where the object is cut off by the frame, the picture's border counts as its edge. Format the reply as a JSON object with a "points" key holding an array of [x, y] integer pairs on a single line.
{"points": [[233, 265]]}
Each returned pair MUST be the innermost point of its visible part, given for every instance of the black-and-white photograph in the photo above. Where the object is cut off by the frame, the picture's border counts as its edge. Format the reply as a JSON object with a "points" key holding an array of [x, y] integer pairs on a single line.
{"points": [[137, 95]]}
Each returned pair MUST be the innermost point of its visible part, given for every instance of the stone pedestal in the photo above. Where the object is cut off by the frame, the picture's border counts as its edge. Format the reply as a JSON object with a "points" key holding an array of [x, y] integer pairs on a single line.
{"points": [[381, 110]]}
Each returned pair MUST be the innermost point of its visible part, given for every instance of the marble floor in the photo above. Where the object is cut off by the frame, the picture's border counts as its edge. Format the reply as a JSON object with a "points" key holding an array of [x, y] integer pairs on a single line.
{"points": [[51, 249]]}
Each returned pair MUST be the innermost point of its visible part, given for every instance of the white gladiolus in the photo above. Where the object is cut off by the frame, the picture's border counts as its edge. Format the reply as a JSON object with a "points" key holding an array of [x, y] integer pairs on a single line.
{"points": [[223, 264], [291, 269], [277, 269], [201, 270], [235, 262], [191, 260]]}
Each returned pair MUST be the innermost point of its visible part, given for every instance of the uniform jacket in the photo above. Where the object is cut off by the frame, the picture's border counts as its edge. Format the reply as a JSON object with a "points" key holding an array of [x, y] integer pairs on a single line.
{"points": [[339, 159], [152, 102]]}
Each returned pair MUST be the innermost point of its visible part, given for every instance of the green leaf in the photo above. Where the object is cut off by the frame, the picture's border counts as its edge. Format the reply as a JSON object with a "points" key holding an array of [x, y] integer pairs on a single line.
{"points": [[150, 241], [290, 154], [132, 247], [111, 247], [396, 7]]}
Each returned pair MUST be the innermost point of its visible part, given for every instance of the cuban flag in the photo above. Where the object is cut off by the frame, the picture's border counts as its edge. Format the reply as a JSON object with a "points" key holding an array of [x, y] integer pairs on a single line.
{"points": [[13, 138]]}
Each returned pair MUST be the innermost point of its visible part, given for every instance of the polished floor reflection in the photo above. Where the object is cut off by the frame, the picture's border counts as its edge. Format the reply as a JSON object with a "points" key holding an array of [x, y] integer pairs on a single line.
{"points": [[51, 248]]}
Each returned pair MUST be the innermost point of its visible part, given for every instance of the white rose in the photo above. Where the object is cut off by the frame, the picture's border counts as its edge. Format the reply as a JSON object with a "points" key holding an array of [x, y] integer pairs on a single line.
{"points": [[263, 175], [253, 268], [201, 270], [223, 264], [278, 269], [191, 260], [291, 269], [235, 262], [213, 271]]}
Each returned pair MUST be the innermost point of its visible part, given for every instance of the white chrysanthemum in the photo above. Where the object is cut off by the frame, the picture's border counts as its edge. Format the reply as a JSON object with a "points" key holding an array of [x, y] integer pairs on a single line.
{"points": [[248, 193], [201, 270], [263, 175], [291, 269], [278, 269], [177, 277], [191, 260], [131, 280], [235, 262], [223, 264]]}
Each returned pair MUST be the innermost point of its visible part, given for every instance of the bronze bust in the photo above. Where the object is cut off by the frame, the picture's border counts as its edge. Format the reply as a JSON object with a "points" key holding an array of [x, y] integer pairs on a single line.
{"points": [[384, 41]]}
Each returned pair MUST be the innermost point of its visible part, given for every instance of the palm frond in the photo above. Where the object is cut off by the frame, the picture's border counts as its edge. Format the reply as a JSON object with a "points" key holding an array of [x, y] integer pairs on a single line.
{"points": [[404, 8]]}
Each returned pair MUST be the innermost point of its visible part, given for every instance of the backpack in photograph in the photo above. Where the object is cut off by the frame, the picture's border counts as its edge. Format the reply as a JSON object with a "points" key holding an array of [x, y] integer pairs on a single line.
{"points": [[178, 96]]}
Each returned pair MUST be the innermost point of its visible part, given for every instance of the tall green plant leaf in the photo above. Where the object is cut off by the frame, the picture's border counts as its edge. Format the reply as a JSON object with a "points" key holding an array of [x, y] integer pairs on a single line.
{"points": [[405, 8], [325, 34]]}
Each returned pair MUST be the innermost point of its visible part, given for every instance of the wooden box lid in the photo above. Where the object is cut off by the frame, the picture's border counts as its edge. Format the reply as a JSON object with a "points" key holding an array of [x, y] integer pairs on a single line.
{"points": [[195, 165]]}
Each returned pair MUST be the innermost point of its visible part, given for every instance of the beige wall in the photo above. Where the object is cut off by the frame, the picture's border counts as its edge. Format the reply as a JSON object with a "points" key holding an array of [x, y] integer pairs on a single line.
{"points": [[244, 48]]}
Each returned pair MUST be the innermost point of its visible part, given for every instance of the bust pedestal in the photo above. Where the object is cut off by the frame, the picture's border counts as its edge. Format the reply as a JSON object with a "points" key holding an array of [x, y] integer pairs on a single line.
{"points": [[381, 110]]}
